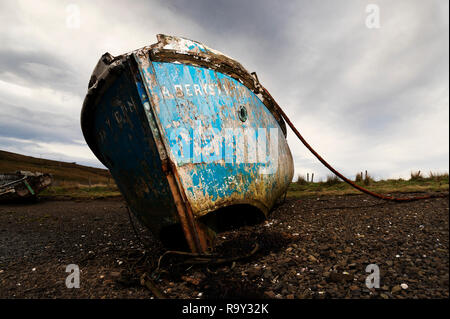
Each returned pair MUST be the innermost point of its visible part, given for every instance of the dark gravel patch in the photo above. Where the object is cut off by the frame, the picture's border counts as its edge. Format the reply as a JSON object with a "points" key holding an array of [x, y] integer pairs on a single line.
{"points": [[309, 248]]}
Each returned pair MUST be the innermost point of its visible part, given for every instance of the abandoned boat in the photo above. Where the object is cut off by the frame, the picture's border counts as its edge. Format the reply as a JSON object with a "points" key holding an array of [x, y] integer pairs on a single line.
{"points": [[189, 136], [22, 185]]}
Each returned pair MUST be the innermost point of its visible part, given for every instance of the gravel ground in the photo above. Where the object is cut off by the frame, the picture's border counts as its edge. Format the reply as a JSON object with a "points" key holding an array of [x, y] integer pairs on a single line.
{"points": [[309, 248]]}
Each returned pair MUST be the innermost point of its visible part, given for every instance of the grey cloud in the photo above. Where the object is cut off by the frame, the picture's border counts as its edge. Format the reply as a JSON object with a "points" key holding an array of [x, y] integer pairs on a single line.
{"points": [[23, 123], [37, 68], [28, 147], [265, 20]]}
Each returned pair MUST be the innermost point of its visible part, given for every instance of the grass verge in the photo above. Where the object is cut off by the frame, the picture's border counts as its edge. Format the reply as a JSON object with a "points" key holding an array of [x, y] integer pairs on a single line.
{"points": [[433, 183], [75, 192]]}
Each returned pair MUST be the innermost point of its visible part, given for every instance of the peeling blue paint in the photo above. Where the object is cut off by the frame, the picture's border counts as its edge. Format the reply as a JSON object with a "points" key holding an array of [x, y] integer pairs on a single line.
{"points": [[188, 98]]}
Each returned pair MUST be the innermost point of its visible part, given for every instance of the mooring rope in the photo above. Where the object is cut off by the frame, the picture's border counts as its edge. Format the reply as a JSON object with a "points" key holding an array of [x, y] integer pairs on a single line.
{"points": [[345, 179], [135, 230]]}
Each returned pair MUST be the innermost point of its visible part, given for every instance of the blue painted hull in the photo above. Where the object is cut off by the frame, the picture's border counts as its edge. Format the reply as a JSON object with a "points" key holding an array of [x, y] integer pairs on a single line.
{"points": [[184, 136]]}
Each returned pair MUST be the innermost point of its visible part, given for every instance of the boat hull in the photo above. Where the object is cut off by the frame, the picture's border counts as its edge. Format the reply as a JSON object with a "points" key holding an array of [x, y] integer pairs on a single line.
{"points": [[183, 140]]}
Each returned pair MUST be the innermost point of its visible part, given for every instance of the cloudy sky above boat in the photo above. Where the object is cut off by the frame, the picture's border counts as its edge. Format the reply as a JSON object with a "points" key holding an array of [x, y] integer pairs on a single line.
{"points": [[365, 98]]}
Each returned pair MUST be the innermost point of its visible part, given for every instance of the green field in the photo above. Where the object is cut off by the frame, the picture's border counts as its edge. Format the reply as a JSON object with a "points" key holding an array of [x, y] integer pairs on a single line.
{"points": [[74, 181], [334, 186], [80, 192]]}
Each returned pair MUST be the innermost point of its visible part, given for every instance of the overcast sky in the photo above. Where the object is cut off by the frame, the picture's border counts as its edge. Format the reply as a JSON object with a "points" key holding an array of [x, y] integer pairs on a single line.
{"points": [[365, 98]]}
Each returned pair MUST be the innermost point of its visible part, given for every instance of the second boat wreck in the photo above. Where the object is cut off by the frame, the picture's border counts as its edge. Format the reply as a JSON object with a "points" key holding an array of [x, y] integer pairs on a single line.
{"points": [[191, 138], [22, 185]]}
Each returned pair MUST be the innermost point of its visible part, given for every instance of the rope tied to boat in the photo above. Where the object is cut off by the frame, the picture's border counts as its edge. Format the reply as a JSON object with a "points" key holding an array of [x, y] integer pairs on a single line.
{"points": [[338, 174]]}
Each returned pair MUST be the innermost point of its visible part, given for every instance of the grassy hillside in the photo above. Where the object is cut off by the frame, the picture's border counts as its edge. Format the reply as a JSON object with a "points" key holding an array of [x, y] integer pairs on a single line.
{"points": [[63, 172], [70, 180]]}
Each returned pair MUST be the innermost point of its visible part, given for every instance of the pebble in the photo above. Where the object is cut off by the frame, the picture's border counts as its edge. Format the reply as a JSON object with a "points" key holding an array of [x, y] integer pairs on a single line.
{"points": [[270, 294], [396, 289], [267, 274], [337, 277]]}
